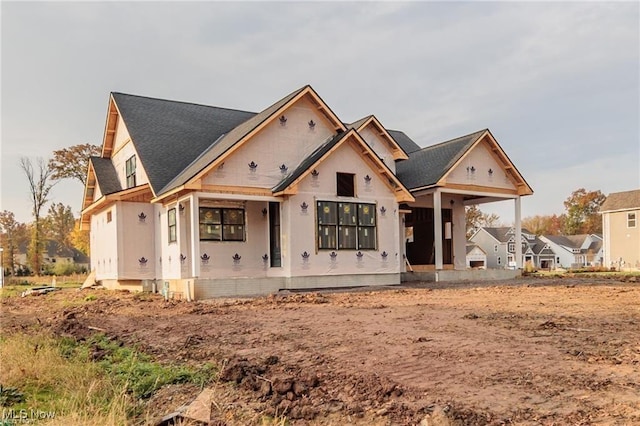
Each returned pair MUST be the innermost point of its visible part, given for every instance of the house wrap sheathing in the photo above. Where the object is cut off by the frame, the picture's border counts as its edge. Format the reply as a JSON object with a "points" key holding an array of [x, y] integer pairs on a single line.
{"points": [[199, 201]]}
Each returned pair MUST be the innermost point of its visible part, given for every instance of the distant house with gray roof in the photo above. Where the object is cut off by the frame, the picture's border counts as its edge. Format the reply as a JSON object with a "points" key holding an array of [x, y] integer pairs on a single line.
{"points": [[575, 251], [500, 245], [621, 229], [204, 201]]}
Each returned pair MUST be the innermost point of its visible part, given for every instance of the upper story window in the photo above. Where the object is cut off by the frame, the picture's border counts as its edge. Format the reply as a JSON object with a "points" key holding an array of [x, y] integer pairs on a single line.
{"points": [[171, 219], [221, 224], [495, 248], [131, 171], [345, 185], [346, 226], [511, 247], [109, 216], [631, 220]]}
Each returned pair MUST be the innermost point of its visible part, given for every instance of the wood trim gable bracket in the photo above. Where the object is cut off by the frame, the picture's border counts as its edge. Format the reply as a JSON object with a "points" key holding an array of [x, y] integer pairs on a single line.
{"points": [[274, 116], [501, 157], [397, 151], [401, 193]]}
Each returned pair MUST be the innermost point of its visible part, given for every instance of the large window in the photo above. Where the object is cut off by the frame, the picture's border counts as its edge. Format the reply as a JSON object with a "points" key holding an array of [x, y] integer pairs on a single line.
{"points": [[346, 226], [631, 220], [171, 219], [131, 171], [221, 224]]}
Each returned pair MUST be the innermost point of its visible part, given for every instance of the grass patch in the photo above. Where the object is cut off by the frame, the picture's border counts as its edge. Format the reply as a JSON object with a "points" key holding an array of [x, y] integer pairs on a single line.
{"points": [[94, 382]]}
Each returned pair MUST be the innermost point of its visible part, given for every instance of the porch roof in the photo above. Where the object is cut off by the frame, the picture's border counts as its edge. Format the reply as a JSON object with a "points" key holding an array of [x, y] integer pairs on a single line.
{"points": [[428, 165]]}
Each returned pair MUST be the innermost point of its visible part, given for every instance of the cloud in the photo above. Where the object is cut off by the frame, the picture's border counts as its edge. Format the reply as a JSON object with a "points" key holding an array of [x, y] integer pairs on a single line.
{"points": [[557, 83]]}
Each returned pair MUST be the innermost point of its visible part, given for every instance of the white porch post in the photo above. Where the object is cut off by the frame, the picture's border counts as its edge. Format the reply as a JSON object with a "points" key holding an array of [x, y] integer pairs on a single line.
{"points": [[518, 227], [437, 227], [195, 236]]}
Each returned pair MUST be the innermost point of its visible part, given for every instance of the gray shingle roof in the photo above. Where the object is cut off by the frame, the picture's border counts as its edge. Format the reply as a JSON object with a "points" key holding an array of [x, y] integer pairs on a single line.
{"points": [[106, 175], [428, 165], [161, 128], [229, 138], [621, 201], [309, 161], [405, 142]]}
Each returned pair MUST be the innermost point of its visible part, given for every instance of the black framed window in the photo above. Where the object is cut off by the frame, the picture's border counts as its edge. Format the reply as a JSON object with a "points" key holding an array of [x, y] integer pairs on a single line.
{"points": [[346, 226], [173, 227], [130, 168], [221, 224], [327, 224], [345, 185]]}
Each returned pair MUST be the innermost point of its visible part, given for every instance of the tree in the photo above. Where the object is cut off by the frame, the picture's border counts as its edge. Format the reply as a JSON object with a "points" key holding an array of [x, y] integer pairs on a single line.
{"points": [[59, 223], [476, 219], [13, 235], [80, 238], [39, 186], [544, 225], [582, 212], [73, 162]]}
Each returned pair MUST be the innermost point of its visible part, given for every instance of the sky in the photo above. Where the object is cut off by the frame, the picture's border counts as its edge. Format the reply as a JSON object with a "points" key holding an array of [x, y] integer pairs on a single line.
{"points": [[556, 83]]}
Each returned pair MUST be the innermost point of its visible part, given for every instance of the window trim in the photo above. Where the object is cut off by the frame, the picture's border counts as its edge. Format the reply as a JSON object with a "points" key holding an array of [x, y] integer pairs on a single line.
{"points": [[222, 224], [130, 171], [341, 178], [632, 222], [331, 228], [173, 236]]}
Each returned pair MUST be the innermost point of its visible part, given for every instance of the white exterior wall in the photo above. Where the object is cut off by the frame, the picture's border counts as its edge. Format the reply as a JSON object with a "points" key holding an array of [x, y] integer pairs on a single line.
{"points": [[136, 240], [302, 224], [481, 160], [122, 134], [379, 146], [103, 243], [119, 160], [274, 146], [221, 263]]}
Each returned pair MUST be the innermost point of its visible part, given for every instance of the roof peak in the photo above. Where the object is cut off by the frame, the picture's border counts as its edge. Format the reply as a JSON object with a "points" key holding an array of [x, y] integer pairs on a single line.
{"points": [[182, 102], [454, 139]]}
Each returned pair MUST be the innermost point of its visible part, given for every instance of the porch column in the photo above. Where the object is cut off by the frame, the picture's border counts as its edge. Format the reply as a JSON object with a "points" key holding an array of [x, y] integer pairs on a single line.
{"points": [[437, 227], [195, 236], [518, 227]]}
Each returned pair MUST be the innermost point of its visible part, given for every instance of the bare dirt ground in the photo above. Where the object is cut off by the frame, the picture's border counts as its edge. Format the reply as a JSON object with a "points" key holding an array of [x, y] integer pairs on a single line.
{"points": [[527, 352]]}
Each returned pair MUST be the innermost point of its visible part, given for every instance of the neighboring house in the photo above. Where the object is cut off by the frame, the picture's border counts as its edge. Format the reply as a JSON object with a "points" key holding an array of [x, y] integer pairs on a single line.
{"points": [[500, 245], [53, 254], [621, 229], [575, 251], [212, 201], [476, 257]]}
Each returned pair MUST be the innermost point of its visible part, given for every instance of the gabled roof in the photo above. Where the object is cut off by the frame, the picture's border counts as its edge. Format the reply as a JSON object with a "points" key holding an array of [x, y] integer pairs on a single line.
{"points": [[430, 166], [427, 166], [470, 247], [407, 144], [106, 175], [570, 241], [158, 126], [503, 233], [235, 136], [576, 242], [398, 152], [621, 201], [400, 191]]}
